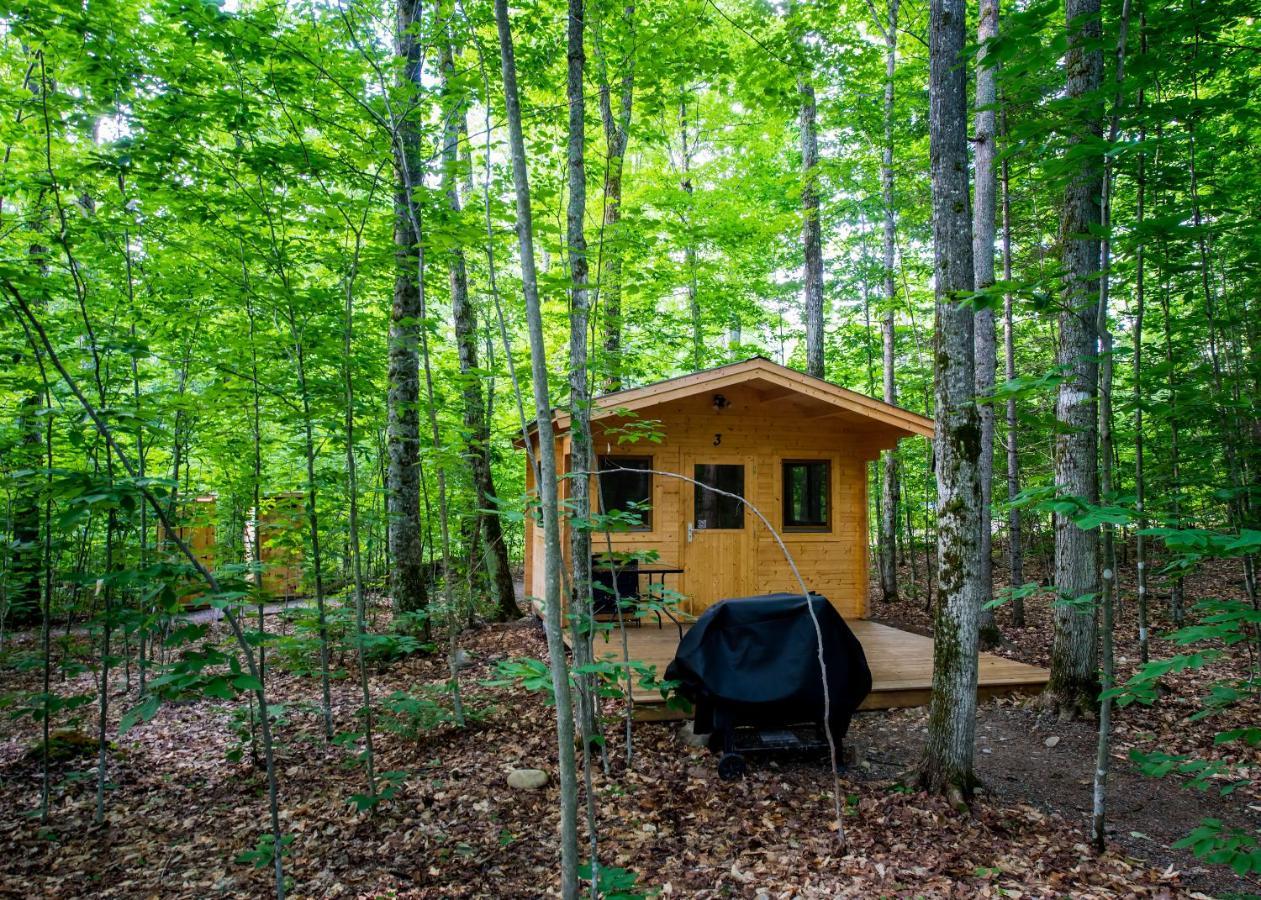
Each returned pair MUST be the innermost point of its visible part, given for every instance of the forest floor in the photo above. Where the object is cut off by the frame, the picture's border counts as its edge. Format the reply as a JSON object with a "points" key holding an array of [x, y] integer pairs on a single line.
{"points": [[178, 813]]}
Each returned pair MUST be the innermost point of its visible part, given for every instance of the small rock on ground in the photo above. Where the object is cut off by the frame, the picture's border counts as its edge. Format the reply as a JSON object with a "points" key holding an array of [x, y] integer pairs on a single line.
{"points": [[527, 779]]}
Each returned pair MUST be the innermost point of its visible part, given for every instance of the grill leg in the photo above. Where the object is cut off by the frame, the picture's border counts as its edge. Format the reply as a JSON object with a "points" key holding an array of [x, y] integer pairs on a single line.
{"points": [[731, 765]]}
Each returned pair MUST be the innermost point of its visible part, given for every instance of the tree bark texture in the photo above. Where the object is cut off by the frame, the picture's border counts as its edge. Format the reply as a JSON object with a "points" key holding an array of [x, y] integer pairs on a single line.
{"points": [[948, 753], [983, 222], [1074, 683], [407, 580], [579, 390], [1015, 540]]}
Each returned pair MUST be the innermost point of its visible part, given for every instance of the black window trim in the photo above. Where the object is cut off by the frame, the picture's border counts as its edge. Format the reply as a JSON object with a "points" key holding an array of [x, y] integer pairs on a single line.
{"points": [[826, 527], [645, 515]]}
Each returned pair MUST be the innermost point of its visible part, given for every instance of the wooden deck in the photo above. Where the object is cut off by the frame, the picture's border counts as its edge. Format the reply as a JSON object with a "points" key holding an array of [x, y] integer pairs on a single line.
{"points": [[901, 666]]}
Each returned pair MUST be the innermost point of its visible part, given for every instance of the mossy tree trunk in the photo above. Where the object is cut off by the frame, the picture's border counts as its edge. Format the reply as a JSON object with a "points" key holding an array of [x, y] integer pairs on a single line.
{"points": [[407, 579], [1074, 683], [948, 753]]}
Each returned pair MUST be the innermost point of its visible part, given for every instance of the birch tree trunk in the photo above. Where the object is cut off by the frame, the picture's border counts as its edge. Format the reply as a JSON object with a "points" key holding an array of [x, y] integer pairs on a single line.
{"points": [[1015, 539], [948, 752], [407, 580], [889, 491], [1074, 684], [464, 320], [811, 233], [547, 467], [983, 222]]}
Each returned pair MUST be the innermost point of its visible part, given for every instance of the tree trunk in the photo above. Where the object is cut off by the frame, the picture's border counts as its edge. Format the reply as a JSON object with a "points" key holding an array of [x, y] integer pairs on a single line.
{"points": [[407, 579], [948, 752], [579, 390], [1140, 286], [1015, 548], [689, 249], [1103, 755], [1175, 421], [1074, 683], [352, 524], [811, 233], [23, 606], [616, 137], [464, 316], [983, 267], [313, 520], [889, 494], [547, 468]]}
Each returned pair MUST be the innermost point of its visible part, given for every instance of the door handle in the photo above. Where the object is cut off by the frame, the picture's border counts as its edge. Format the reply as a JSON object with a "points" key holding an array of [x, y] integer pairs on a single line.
{"points": [[689, 532]]}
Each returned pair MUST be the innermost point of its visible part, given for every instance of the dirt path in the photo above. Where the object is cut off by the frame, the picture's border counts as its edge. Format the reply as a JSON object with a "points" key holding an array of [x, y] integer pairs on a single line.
{"points": [[1014, 763], [202, 616]]}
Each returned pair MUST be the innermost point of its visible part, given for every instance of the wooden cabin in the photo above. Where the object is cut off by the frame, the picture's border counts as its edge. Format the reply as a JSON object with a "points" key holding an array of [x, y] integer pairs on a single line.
{"points": [[281, 525], [796, 447], [195, 526]]}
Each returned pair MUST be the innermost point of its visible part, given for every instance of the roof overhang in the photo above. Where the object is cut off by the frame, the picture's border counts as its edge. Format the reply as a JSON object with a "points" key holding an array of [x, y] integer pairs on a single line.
{"points": [[771, 381]]}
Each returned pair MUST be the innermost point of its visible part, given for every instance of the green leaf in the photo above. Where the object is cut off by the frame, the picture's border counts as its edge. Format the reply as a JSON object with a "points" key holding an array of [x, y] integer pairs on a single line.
{"points": [[146, 710]]}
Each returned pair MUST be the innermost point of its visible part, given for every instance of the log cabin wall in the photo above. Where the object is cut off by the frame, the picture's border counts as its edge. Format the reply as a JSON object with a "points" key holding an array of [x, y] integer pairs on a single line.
{"points": [[281, 525], [195, 527]]}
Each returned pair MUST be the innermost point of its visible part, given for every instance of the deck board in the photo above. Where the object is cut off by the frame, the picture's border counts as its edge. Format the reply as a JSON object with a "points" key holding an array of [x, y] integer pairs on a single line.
{"points": [[901, 666]]}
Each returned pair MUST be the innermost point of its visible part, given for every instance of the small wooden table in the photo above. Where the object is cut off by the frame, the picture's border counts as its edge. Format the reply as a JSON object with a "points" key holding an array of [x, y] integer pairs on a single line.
{"points": [[656, 574]]}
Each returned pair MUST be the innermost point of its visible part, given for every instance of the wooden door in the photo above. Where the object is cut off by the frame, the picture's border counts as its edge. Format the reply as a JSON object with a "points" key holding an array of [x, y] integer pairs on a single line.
{"points": [[717, 543]]}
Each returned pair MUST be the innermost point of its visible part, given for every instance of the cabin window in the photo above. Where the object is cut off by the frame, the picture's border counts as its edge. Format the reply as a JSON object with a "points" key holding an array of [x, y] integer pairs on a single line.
{"points": [[711, 510], [807, 489], [627, 492]]}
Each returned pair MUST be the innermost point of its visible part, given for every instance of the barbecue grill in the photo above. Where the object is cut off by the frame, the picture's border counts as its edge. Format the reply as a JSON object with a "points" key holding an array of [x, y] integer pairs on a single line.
{"points": [[750, 667]]}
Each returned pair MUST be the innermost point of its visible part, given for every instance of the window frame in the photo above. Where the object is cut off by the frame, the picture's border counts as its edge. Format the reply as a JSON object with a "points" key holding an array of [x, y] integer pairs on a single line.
{"points": [[786, 497], [646, 516]]}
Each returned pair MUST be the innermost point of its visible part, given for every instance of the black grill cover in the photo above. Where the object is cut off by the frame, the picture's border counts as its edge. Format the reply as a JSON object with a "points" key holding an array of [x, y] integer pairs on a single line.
{"points": [[754, 661]]}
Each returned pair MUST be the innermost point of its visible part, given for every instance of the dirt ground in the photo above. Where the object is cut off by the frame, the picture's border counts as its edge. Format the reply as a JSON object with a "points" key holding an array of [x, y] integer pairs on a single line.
{"points": [[178, 813]]}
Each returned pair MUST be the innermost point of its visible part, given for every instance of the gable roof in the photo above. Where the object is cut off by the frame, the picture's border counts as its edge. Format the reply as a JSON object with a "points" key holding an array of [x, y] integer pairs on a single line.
{"points": [[760, 372]]}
